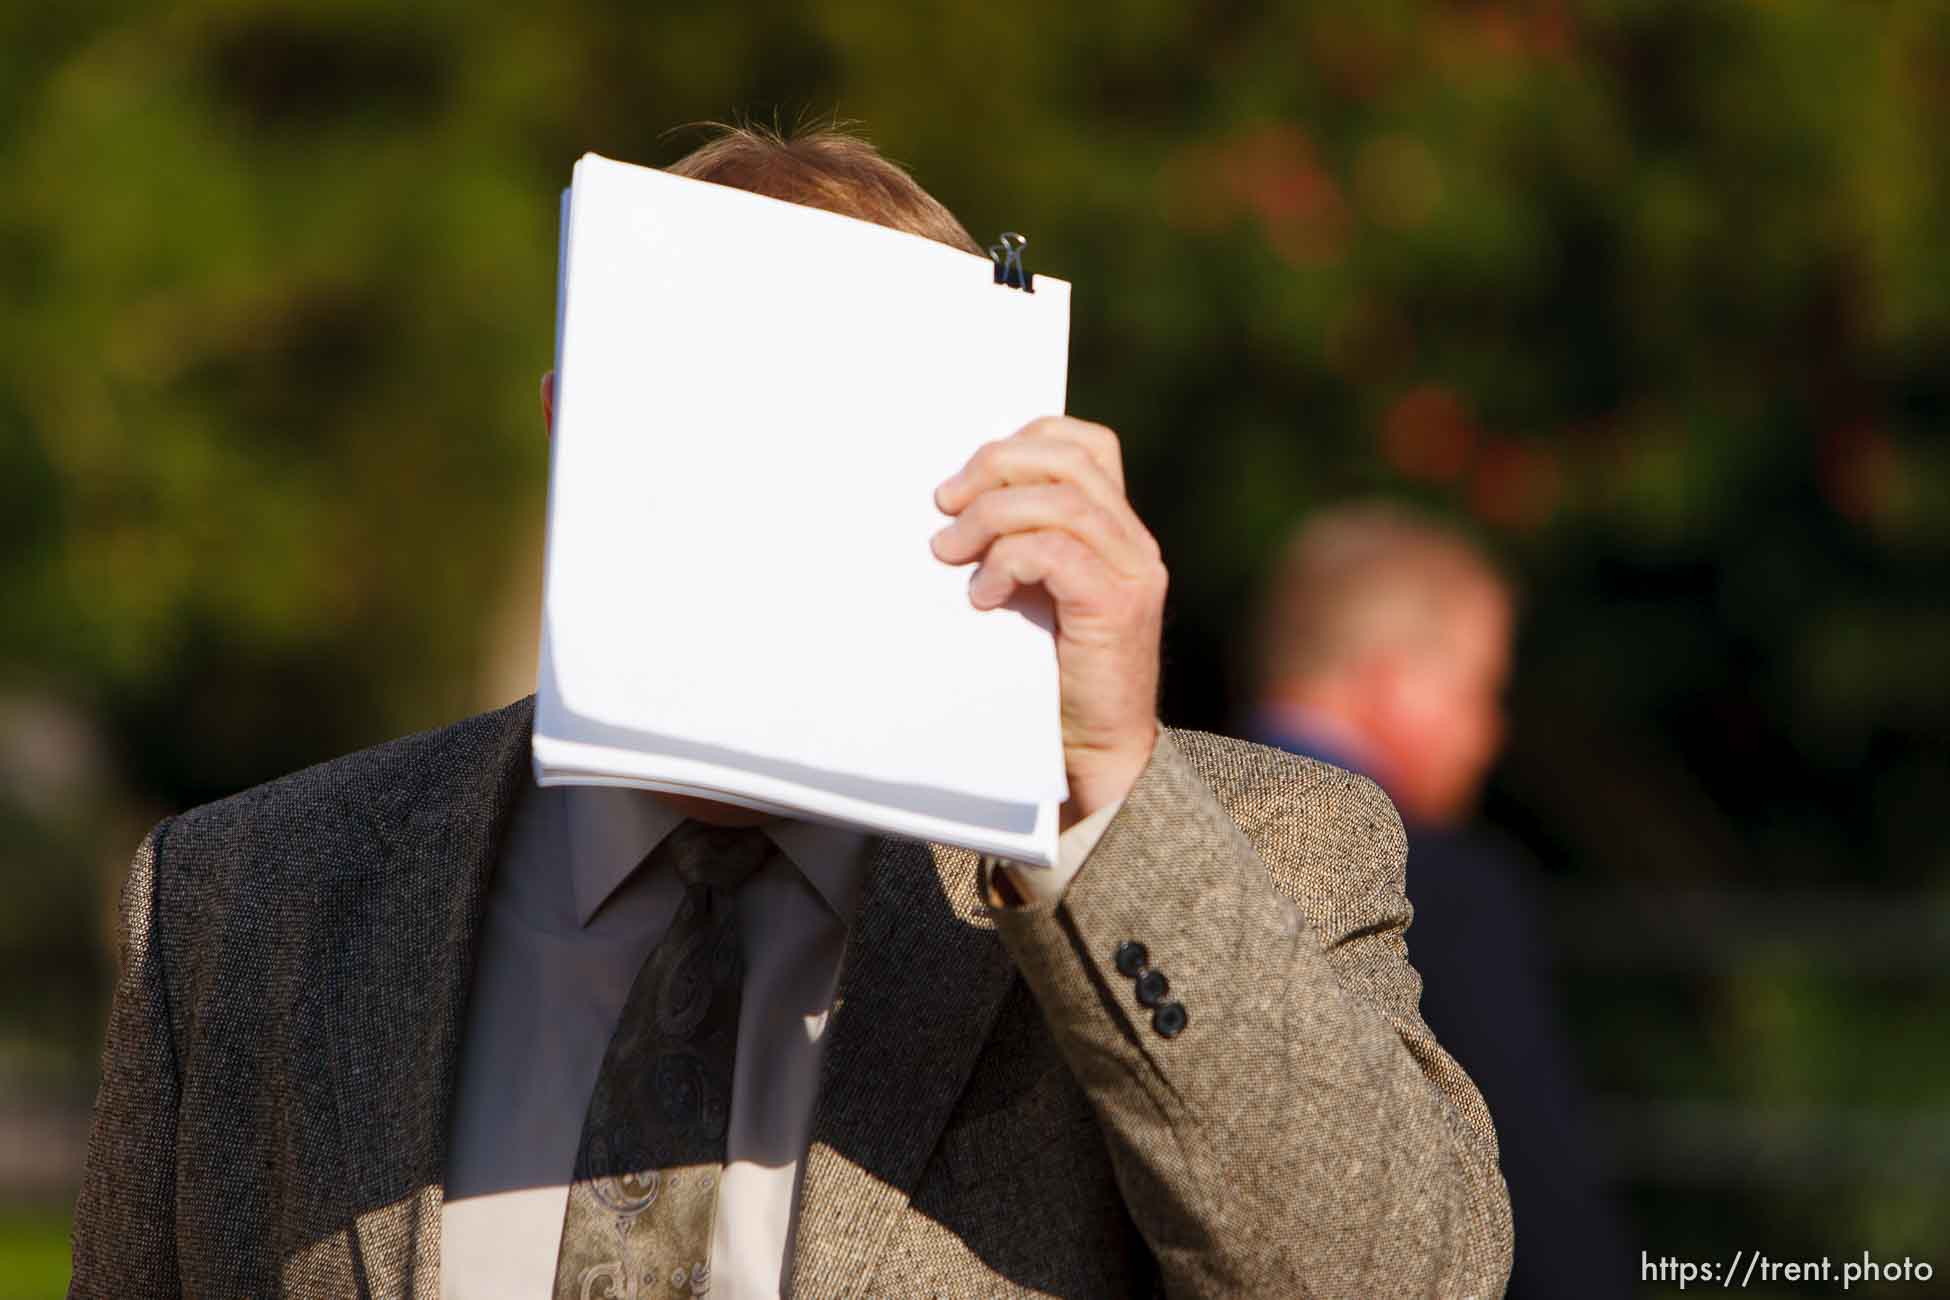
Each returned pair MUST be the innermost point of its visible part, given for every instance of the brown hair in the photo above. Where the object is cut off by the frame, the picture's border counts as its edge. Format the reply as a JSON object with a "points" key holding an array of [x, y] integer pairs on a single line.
{"points": [[1358, 577], [823, 167]]}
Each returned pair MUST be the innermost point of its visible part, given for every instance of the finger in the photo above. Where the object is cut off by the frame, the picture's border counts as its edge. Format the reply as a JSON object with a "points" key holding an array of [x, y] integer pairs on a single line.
{"points": [[1098, 441], [1039, 506], [1070, 571], [1021, 458], [1076, 452]]}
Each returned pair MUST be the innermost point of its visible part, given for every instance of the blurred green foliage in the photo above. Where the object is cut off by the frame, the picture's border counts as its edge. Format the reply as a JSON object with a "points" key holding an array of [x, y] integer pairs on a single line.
{"points": [[33, 1253], [1656, 294]]}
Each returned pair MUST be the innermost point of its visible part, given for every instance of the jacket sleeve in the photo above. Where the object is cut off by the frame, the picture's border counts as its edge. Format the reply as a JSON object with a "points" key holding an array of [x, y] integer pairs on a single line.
{"points": [[125, 1219], [1301, 1134]]}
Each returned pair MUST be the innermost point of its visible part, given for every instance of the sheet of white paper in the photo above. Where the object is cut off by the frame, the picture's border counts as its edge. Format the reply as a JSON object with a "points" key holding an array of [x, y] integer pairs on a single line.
{"points": [[756, 401], [1025, 833]]}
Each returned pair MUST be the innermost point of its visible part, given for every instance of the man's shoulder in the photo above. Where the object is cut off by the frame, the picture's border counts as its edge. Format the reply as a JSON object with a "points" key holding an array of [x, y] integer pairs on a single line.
{"points": [[369, 790], [1327, 834], [1259, 782]]}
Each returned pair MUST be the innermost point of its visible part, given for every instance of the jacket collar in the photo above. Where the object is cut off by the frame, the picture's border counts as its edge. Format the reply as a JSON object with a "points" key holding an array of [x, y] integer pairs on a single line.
{"points": [[922, 980], [402, 922]]}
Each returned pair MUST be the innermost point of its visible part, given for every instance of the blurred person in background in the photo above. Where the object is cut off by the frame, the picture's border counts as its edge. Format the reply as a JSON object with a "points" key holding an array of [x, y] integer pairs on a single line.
{"points": [[1384, 645]]}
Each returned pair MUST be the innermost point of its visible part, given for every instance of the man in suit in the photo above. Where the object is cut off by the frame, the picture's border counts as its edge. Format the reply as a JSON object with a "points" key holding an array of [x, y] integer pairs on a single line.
{"points": [[404, 1023], [1386, 645]]}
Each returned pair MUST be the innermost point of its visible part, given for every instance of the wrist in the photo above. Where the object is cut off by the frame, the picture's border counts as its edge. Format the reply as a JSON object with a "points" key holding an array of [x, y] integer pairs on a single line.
{"points": [[1107, 781]]}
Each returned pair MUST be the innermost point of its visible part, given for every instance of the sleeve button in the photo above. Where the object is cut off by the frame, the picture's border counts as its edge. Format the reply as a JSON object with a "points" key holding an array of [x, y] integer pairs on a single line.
{"points": [[1130, 957], [1169, 1019], [1152, 987]]}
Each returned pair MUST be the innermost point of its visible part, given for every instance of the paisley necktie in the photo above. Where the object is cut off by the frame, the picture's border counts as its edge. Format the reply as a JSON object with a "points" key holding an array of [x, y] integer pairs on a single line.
{"points": [[645, 1193]]}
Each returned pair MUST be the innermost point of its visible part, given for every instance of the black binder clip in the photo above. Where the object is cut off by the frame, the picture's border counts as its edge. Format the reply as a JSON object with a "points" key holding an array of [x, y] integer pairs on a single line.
{"points": [[1007, 256]]}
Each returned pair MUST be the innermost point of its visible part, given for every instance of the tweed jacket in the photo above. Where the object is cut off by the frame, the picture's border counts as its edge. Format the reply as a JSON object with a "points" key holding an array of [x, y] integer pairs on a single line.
{"points": [[996, 1114]]}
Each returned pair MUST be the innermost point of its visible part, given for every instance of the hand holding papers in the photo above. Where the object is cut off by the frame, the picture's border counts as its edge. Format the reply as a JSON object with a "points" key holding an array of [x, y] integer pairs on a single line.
{"points": [[755, 401]]}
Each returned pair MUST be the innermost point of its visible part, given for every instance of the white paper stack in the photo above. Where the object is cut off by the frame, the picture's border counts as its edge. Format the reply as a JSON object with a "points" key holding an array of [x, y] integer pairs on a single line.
{"points": [[754, 403]]}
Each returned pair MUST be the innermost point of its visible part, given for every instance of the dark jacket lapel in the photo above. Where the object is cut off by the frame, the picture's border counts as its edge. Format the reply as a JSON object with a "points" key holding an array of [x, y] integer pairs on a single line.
{"points": [[923, 979], [404, 918]]}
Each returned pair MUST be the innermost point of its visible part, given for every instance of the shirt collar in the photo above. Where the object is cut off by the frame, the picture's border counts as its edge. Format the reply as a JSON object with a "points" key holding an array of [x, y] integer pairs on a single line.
{"points": [[611, 829]]}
